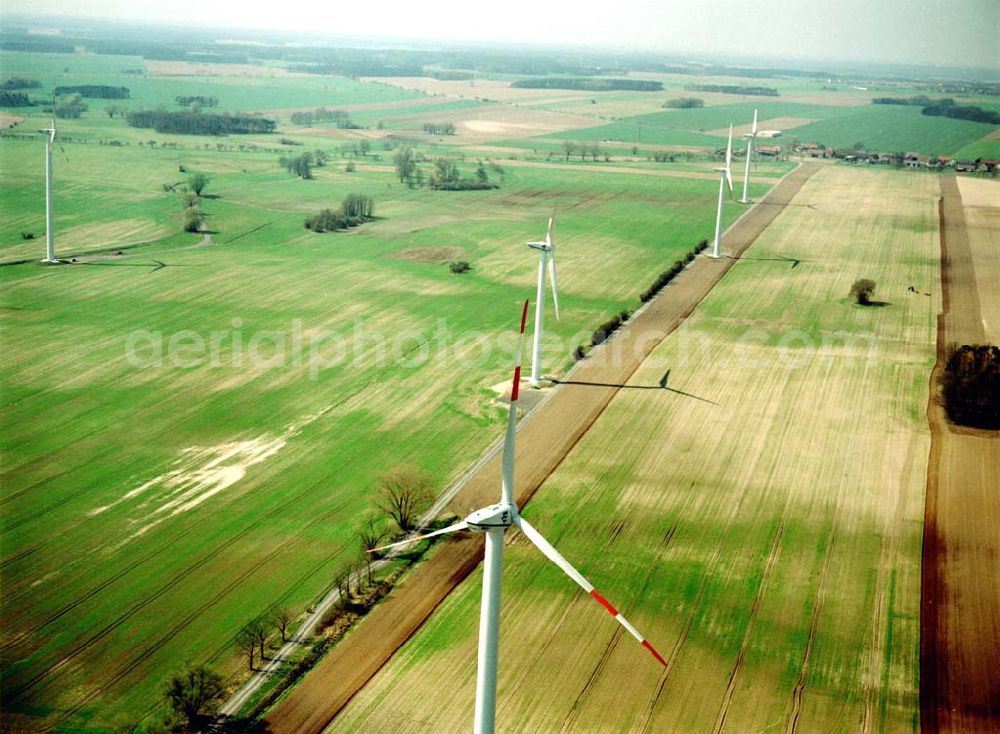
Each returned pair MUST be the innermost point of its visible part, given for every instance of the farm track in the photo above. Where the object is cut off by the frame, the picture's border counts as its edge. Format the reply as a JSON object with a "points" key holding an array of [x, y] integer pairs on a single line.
{"points": [[960, 598], [562, 421]]}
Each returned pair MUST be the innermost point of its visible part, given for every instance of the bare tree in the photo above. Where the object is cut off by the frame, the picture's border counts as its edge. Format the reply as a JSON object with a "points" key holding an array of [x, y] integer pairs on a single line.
{"points": [[371, 536], [568, 148], [403, 493], [282, 618], [246, 643]]}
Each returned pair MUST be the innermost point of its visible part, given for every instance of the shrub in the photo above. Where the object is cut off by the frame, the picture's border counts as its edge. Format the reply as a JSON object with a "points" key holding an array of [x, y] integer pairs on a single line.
{"points": [[862, 290], [971, 386], [459, 266], [193, 219]]}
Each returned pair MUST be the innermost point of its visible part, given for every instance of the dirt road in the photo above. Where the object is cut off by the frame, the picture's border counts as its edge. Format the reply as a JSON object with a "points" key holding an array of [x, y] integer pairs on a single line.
{"points": [[960, 585], [553, 430]]}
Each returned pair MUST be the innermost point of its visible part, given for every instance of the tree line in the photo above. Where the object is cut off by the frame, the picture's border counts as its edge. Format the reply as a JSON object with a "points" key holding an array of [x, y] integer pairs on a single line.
{"points": [[734, 89], [193, 123], [590, 85], [445, 174], [95, 91]]}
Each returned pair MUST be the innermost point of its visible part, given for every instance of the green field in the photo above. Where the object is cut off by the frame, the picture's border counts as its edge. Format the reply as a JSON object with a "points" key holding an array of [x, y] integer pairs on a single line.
{"points": [[886, 128]]}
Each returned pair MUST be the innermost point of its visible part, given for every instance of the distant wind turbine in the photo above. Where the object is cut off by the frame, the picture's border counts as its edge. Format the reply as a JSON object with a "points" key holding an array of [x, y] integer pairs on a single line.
{"points": [[546, 256], [751, 139], [725, 177], [494, 521], [50, 139]]}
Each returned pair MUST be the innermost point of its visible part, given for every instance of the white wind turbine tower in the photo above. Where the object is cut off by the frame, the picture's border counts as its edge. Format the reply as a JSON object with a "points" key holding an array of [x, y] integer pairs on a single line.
{"points": [[546, 256], [725, 177], [494, 521], [751, 139], [50, 139]]}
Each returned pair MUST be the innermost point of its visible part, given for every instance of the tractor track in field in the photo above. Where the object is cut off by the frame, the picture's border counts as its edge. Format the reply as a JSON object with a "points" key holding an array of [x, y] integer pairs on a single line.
{"points": [[758, 600], [46, 676], [311, 705], [595, 673], [137, 660], [793, 715]]}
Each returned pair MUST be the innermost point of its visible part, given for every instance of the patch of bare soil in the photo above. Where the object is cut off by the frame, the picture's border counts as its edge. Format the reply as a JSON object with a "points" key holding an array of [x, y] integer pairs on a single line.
{"points": [[960, 580], [431, 255], [551, 432]]}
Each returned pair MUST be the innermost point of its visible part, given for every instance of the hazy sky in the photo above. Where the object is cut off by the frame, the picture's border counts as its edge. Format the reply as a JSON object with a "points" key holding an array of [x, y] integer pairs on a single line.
{"points": [[939, 32]]}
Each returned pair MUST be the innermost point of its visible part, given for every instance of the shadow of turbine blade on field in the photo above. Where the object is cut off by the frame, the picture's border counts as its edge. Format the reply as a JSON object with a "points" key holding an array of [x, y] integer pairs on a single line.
{"points": [[661, 386]]}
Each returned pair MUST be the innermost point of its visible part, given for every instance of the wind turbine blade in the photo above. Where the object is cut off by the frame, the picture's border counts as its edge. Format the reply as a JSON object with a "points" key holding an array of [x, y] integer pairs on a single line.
{"points": [[729, 180], [507, 489], [450, 529], [729, 149], [552, 277], [548, 233], [753, 128], [556, 557]]}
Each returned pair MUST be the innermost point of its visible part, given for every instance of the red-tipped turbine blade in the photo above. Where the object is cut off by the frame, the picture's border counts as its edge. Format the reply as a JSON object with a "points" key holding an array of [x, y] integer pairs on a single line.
{"points": [[517, 364], [549, 551], [450, 529]]}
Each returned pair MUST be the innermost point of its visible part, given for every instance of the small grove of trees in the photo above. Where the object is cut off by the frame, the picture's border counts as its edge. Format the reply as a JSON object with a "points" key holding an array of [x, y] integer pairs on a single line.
{"points": [[16, 82], [197, 99], [10, 98], [70, 106], [439, 128], [193, 216], [300, 165], [445, 176], [193, 695], [354, 210], [403, 493], [862, 291], [971, 386], [116, 110], [684, 103], [340, 118]]}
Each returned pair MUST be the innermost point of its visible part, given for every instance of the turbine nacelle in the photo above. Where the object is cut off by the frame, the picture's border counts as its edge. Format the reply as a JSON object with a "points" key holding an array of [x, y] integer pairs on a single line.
{"points": [[543, 246], [500, 515]]}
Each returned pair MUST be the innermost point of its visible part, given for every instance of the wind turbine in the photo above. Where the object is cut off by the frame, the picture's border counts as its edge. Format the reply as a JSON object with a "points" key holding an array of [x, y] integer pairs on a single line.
{"points": [[751, 139], [725, 177], [494, 521], [546, 255], [50, 139]]}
